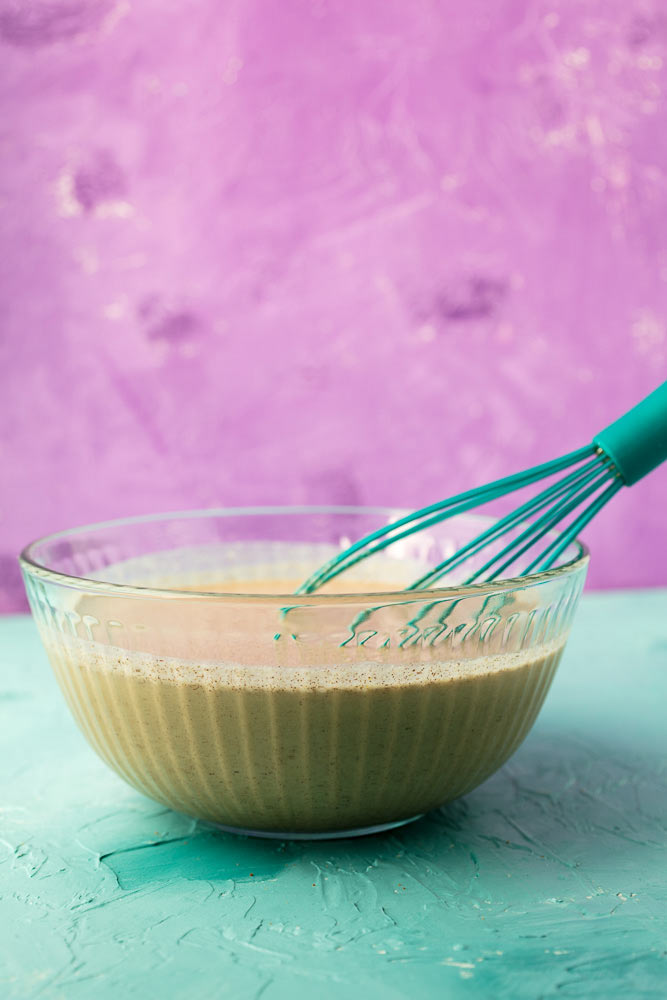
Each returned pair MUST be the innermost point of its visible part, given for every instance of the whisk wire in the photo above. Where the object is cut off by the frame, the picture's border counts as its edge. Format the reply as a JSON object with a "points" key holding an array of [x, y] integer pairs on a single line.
{"points": [[580, 476], [571, 532], [624, 452], [537, 530], [421, 519]]}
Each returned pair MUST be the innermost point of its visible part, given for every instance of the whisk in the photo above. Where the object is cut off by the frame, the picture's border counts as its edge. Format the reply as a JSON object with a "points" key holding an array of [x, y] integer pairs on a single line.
{"points": [[618, 456]]}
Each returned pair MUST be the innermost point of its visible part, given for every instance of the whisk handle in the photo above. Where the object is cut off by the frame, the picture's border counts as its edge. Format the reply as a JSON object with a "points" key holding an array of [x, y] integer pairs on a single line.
{"points": [[637, 442]]}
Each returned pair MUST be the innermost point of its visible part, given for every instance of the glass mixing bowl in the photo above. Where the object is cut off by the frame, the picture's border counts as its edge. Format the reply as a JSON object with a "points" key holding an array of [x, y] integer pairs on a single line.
{"points": [[194, 671]]}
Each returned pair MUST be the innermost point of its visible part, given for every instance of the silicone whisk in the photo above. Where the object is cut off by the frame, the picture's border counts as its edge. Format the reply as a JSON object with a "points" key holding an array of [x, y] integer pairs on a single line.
{"points": [[620, 455]]}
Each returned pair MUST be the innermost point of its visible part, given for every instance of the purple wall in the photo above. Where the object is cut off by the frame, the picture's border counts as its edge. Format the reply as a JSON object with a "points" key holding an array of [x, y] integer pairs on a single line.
{"points": [[313, 251]]}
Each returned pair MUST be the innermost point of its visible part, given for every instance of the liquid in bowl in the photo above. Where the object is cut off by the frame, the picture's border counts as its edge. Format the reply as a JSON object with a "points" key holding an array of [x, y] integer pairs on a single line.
{"points": [[341, 717]]}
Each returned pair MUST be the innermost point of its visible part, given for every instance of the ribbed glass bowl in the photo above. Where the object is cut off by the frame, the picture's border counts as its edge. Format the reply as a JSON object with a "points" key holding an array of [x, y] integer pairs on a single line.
{"points": [[195, 673]]}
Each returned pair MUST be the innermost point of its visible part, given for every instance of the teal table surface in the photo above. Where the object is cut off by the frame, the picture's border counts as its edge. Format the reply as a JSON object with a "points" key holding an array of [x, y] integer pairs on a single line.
{"points": [[550, 880]]}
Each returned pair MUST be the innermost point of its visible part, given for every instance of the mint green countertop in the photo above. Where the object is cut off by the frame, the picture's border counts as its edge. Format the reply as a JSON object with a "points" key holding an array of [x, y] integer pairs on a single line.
{"points": [[548, 881]]}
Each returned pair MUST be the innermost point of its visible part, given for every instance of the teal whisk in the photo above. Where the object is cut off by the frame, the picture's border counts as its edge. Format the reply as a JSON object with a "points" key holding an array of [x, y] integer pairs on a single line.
{"points": [[620, 455]]}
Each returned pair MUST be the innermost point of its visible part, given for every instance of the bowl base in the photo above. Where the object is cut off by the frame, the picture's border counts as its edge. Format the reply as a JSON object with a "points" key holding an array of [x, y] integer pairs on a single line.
{"points": [[361, 831]]}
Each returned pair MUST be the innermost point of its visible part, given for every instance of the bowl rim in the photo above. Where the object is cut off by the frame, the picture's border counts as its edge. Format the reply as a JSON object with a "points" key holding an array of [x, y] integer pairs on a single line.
{"points": [[31, 566]]}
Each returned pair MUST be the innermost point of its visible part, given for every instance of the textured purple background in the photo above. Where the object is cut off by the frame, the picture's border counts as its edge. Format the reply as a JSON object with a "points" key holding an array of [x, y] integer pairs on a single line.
{"points": [[314, 251]]}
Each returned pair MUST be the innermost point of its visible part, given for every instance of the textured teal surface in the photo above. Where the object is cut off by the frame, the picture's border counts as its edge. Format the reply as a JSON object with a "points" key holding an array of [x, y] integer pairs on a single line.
{"points": [[549, 881]]}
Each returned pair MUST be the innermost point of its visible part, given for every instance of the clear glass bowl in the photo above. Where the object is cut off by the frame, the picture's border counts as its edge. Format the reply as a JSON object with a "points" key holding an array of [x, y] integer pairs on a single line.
{"points": [[327, 715]]}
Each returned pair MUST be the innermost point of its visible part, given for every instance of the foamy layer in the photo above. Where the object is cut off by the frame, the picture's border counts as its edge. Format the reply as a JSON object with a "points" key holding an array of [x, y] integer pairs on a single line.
{"points": [[275, 677]]}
